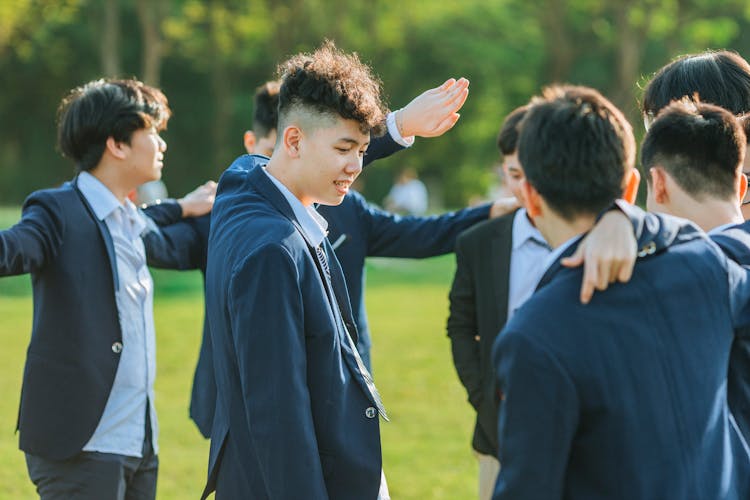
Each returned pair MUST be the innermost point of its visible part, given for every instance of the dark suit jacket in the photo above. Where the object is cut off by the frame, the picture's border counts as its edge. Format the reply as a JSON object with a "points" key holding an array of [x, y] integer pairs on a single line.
{"points": [[735, 242], [293, 415], [624, 397], [478, 307], [372, 232], [73, 354]]}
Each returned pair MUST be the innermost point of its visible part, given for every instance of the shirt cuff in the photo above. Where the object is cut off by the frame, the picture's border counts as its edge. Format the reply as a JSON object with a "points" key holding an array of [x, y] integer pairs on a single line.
{"points": [[390, 121]]}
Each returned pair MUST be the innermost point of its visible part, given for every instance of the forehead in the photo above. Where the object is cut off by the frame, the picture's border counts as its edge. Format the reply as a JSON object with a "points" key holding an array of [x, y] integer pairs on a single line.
{"points": [[339, 129]]}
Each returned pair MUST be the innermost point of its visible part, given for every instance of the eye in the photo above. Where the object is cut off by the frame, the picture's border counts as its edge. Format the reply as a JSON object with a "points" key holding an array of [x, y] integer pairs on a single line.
{"points": [[343, 150]]}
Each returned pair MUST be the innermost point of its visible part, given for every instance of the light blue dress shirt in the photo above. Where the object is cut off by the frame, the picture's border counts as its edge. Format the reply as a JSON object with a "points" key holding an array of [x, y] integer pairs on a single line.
{"points": [[313, 224], [527, 258], [122, 427]]}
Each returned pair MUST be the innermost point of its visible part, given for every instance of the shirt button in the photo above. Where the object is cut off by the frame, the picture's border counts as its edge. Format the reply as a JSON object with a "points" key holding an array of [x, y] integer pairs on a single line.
{"points": [[117, 347], [371, 412]]}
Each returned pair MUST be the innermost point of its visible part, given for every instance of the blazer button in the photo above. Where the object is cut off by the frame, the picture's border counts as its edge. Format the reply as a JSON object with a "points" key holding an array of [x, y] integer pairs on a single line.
{"points": [[117, 347], [371, 412]]}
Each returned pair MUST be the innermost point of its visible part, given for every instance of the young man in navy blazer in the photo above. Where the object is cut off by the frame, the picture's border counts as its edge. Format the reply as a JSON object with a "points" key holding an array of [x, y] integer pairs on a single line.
{"points": [[87, 421], [431, 113], [693, 155], [296, 411], [623, 397]]}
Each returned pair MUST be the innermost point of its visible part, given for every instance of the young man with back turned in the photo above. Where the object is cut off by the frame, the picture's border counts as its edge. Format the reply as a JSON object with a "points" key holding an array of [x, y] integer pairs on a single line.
{"points": [[623, 397]]}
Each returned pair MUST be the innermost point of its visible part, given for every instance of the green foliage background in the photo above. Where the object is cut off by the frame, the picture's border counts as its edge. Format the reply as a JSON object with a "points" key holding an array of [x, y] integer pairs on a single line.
{"points": [[213, 54]]}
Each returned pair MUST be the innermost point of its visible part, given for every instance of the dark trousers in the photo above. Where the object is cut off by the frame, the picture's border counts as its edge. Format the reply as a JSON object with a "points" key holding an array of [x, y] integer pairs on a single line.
{"points": [[97, 476]]}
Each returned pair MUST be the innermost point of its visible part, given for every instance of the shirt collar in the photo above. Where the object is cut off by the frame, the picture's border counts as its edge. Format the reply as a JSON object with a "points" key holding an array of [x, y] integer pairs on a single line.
{"points": [[101, 199], [524, 230], [721, 228], [557, 252], [313, 224]]}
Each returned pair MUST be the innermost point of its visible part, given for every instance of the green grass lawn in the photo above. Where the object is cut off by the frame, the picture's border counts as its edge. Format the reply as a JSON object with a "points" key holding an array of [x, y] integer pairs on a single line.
{"points": [[426, 445]]}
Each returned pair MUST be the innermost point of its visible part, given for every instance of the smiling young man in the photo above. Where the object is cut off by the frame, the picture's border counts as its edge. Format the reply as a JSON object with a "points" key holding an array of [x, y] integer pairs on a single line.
{"points": [[296, 412]]}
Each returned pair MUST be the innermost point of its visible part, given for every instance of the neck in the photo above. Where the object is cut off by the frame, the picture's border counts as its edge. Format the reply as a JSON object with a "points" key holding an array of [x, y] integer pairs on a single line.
{"points": [[109, 178], [283, 172], [709, 214], [557, 230]]}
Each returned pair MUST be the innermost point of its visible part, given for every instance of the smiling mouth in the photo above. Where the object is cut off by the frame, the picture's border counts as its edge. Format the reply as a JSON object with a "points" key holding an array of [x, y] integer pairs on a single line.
{"points": [[342, 185]]}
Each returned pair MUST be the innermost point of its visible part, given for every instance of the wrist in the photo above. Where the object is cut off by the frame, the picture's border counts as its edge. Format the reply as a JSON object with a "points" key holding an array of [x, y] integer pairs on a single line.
{"points": [[399, 115]]}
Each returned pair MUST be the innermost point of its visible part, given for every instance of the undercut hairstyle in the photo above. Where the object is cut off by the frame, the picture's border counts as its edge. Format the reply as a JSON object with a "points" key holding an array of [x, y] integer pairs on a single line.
{"points": [[100, 109], [330, 84], [701, 146], [266, 104], [507, 139], [716, 77], [745, 124], [575, 148]]}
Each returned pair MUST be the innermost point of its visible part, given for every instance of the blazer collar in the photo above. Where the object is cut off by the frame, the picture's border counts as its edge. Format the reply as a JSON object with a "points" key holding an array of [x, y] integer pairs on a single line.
{"points": [[556, 266]]}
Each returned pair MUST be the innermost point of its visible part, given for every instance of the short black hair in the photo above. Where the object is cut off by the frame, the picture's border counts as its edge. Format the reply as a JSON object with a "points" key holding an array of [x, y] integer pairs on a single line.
{"points": [[100, 109], [575, 148], [331, 82], [507, 138], [266, 104], [700, 145], [745, 124], [716, 77]]}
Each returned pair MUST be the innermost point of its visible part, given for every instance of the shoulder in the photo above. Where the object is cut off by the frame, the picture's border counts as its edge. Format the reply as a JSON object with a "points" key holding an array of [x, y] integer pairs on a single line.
{"points": [[480, 232]]}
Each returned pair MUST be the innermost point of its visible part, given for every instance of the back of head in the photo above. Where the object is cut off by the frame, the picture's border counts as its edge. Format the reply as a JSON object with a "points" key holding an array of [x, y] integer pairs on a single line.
{"points": [[721, 78], [575, 148], [700, 145], [328, 84], [266, 104], [100, 109], [507, 138]]}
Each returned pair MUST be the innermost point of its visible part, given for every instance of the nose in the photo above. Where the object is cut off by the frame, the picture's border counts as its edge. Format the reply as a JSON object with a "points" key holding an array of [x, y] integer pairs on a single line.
{"points": [[162, 144], [355, 166]]}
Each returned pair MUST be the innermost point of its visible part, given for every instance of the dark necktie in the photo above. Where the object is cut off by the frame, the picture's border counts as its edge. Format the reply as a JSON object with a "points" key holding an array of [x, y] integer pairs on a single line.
{"points": [[360, 364]]}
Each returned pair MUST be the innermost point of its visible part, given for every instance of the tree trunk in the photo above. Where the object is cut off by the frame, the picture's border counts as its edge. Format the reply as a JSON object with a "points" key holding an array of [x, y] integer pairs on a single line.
{"points": [[110, 46], [150, 15], [557, 40]]}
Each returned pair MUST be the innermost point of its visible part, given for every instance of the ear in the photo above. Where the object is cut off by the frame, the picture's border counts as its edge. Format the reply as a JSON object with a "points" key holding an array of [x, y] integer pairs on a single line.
{"points": [[742, 188], [533, 199], [633, 179], [659, 185], [115, 148], [292, 137], [250, 141]]}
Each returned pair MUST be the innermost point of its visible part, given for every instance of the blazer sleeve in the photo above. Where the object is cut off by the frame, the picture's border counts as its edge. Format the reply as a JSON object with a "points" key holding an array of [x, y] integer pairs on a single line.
{"points": [[463, 328], [266, 314], [164, 212], [654, 232], [35, 239], [381, 147], [177, 246], [538, 419], [391, 235]]}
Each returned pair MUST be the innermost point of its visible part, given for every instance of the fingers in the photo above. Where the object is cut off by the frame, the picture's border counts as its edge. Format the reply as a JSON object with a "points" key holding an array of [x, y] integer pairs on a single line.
{"points": [[590, 279], [447, 123]]}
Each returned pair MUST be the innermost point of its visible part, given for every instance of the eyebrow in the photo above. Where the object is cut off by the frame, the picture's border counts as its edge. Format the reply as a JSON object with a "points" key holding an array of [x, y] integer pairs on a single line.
{"points": [[353, 141]]}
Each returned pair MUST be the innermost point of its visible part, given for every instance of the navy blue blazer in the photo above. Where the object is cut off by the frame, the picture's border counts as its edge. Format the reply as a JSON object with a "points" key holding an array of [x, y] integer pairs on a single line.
{"points": [[735, 242], [624, 398], [294, 418], [368, 231], [75, 338]]}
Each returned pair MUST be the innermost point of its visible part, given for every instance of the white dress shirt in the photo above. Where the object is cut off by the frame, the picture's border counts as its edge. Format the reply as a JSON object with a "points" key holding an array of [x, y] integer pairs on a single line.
{"points": [[122, 427]]}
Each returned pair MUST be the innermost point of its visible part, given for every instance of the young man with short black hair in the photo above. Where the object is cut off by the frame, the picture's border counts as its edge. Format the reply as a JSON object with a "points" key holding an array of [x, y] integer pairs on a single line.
{"points": [[617, 398], [87, 420]]}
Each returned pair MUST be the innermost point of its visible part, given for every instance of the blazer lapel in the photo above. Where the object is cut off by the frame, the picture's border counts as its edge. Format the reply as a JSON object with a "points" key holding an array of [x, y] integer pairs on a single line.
{"points": [[502, 246], [104, 231]]}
